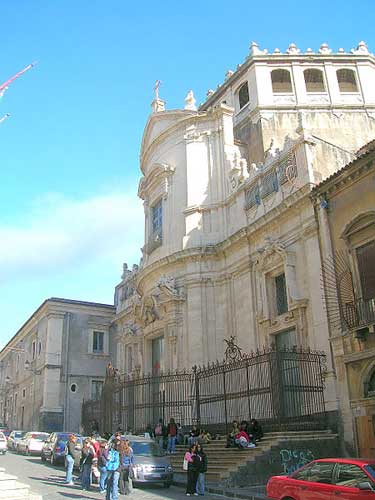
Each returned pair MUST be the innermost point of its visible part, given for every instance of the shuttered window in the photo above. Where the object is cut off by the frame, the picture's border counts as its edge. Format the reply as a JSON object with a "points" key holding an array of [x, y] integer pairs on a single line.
{"points": [[366, 268]]}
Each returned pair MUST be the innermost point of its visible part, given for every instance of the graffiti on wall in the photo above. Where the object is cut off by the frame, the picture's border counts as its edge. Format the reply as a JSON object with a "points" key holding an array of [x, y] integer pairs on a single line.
{"points": [[292, 460]]}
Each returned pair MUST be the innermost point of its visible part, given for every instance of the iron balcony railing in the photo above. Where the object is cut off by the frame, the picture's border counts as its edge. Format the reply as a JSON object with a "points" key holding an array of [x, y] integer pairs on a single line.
{"points": [[359, 313]]}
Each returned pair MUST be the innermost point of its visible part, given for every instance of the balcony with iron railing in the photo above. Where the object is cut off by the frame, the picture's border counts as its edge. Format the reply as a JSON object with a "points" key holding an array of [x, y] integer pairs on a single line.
{"points": [[360, 313]]}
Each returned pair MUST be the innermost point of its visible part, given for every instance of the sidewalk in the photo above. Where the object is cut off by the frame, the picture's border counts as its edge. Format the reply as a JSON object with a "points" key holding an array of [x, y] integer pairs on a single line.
{"points": [[248, 493]]}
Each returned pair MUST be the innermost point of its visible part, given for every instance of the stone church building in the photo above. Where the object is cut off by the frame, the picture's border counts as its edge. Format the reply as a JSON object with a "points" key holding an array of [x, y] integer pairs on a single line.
{"points": [[231, 242]]}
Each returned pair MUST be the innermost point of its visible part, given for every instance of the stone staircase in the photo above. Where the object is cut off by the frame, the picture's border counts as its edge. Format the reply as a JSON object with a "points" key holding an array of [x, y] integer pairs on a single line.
{"points": [[225, 464], [11, 489]]}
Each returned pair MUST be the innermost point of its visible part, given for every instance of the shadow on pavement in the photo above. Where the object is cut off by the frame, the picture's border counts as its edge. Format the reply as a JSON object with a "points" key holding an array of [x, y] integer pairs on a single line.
{"points": [[73, 495]]}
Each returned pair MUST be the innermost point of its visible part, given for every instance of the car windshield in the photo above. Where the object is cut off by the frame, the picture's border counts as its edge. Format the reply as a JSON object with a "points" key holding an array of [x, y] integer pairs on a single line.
{"points": [[370, 468], [19, 434], [2, 437], [146, 449], [39, 436]]}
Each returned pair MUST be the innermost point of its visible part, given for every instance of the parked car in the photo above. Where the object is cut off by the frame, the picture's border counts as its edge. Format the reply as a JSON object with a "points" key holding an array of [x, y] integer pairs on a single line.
{"points": [[32, 443], [151, 465], [3, 443], [54, 447], [13, 439], [326, 479]]}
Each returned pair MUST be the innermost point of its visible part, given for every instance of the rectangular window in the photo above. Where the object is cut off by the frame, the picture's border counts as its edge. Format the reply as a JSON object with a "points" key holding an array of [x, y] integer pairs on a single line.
{"points": [[33, 350], [366, 268], [23, 393], [157, 217], [281, 295], [98, 342], [96, 389]]}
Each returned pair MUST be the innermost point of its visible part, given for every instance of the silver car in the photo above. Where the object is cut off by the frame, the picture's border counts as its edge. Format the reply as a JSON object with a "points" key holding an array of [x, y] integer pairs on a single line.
{"points": [[151, 465], [14, 438], [32, 442]]}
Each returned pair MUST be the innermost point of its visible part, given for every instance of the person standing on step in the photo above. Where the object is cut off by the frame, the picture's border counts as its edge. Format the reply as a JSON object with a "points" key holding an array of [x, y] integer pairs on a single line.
{"points": [[172, 436], [159, 433], [193, 463], [201, 481]]}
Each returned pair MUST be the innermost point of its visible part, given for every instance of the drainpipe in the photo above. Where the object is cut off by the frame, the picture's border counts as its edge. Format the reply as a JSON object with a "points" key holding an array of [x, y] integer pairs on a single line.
{"points": [[66, 367]]}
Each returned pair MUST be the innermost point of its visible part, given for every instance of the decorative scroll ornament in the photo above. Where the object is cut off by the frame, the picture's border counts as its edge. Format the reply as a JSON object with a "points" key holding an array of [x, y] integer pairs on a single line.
{"points": [[232, 352]]}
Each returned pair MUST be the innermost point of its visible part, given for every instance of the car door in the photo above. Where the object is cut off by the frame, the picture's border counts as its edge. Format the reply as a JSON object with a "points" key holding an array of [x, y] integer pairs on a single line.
{"points": [[315, 481], [347, 477]]}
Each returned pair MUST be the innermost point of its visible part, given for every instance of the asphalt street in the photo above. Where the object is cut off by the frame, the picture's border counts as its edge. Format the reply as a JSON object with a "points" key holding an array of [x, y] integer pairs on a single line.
{"points": [[48, 480]]}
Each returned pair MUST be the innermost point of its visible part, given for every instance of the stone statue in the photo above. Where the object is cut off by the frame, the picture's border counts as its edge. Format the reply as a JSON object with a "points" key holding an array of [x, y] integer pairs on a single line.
{"points": [[190, 101], [149, 312], [167, 285]]}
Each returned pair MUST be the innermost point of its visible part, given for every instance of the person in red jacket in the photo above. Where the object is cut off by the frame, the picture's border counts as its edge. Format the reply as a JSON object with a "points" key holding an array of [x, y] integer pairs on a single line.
{"points": [[172, 436]]}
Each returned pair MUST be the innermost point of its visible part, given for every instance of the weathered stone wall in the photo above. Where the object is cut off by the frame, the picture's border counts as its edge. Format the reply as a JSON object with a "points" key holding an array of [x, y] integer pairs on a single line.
{"points": [[284, 458]]}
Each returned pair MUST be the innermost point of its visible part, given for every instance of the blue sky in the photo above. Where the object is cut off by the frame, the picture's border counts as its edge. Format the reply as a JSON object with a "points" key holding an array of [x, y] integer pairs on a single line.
{"points": [[69, 152]]}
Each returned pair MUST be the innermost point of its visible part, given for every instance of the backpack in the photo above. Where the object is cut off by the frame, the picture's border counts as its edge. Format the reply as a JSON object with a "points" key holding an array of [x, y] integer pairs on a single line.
{"points": [[158, 430]]}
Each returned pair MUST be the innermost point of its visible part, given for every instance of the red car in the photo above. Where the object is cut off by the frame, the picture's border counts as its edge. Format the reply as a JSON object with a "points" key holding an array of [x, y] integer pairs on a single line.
{"points": [[326, 479]]}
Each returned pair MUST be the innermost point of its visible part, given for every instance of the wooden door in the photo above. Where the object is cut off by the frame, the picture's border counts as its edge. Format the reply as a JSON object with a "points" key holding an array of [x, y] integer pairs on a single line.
{"points": [[366, 436]]}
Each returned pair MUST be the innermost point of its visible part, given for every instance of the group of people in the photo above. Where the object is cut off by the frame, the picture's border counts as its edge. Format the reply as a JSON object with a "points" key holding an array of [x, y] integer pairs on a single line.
{"points": [[244, 434], [167, 436], [113, 462], [195, 462]]}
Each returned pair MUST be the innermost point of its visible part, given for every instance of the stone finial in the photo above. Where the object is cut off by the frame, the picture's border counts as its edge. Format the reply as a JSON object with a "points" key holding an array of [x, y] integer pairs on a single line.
{"points": [[228, 74], [209, 93], [361, 49], [255, 50], [341, 51], [277, 51], [324, 49], [293, 49], [190, 101], [309, 51]]}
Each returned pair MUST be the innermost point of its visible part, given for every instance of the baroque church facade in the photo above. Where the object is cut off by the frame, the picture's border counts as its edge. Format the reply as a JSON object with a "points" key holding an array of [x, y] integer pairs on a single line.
{"points": [[231, 242]]}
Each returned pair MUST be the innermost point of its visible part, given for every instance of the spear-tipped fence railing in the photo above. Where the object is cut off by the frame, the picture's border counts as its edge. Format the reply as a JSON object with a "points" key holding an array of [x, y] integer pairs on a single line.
{"points": [[282, 388]]}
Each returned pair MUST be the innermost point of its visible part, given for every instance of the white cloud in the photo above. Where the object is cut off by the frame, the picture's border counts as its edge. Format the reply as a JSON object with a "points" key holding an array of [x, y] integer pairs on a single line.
{"points": [[61, 233]]}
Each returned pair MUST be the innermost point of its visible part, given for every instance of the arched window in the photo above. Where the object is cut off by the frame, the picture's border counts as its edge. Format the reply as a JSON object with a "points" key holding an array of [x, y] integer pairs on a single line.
{"points": [[346, 80], [281, 82], [314, 80], [243, 95], [370, 386]]}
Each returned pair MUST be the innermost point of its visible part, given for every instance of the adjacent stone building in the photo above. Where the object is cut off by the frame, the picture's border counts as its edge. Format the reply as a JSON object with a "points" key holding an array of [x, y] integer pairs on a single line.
{"points": [[55, 360], [345, 209], [231, 238]]}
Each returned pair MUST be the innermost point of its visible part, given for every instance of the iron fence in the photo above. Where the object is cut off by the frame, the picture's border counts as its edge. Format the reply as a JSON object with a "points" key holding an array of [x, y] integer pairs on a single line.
{"points": [[283, 388]]}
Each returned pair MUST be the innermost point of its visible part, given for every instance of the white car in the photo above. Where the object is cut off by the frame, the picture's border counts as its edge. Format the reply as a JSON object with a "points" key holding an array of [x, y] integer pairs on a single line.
{"points": [[32, 442], [3, 443]]}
